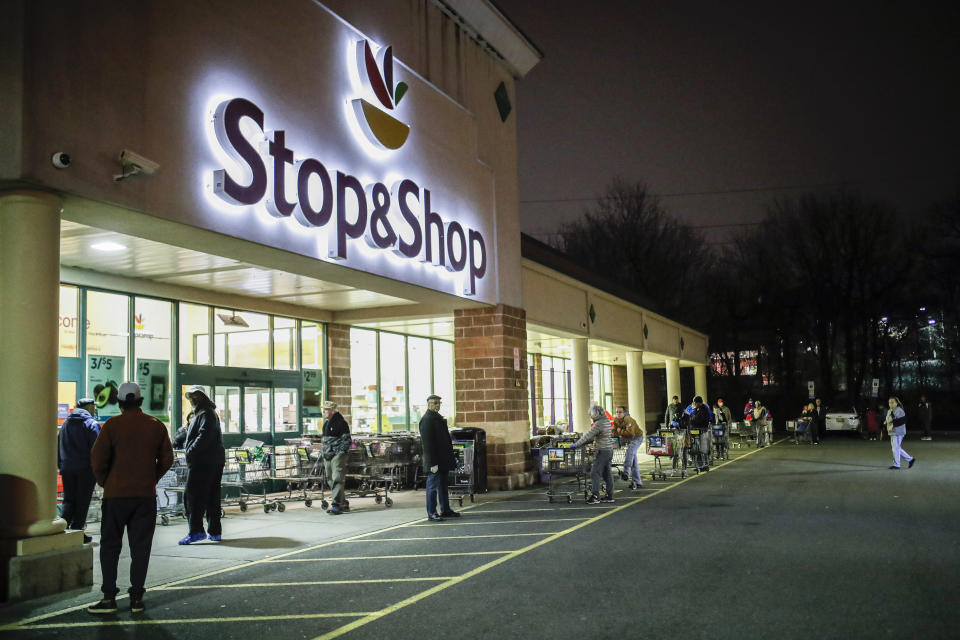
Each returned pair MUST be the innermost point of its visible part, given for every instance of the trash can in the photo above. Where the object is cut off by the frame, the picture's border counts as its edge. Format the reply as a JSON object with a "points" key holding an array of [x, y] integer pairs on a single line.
{"points": [[479, 439]]}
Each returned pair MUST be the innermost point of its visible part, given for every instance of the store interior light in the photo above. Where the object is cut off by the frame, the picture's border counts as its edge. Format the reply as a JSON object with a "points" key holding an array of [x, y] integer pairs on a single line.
{"points": [[232, 320], [108, 246], [931, 321]]}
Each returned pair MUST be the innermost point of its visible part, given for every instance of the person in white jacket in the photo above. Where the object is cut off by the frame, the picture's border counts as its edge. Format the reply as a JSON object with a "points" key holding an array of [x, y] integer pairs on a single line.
{"points": [[897, 428]]}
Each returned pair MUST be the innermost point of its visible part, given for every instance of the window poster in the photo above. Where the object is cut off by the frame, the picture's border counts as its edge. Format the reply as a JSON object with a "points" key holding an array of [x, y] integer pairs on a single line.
{"points": [[153, 378], [104, 376]]}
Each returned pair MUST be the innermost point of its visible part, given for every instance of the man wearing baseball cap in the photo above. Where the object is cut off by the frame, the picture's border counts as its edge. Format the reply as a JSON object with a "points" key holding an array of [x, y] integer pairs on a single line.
{"points": [[131, 454]]}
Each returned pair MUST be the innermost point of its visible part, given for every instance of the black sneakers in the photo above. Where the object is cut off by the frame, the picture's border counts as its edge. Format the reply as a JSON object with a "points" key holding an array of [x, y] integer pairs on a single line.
{"points": [[136, 605], [107, 605], [910, 464], [607, 499]]}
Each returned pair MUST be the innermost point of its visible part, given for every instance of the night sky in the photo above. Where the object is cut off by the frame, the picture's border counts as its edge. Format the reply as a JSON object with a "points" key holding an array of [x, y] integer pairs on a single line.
{"points": [[743, 98]]}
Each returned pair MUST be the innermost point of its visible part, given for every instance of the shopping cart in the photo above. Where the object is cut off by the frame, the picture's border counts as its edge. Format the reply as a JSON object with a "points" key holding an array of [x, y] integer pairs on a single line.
{"points": [[170, 489], [700, 448], [370, 470], [679, 441], [301, 470], [563, 464], [659, 446], [721, 445], [247, 471]]}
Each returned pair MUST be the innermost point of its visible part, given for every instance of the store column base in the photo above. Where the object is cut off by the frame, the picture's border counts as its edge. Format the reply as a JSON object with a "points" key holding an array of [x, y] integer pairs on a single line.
{"points": [[38, 566]]}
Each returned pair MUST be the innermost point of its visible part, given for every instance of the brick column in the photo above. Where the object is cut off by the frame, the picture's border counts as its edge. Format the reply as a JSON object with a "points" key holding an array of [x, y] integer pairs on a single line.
{"points": [[338, 363], [491, 393]]}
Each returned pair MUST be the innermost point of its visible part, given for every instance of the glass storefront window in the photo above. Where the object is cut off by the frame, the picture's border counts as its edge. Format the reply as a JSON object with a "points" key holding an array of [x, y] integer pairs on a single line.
{"points": [[311, 345], [107, 338], [393, 383], [69, 321], [152, 333], [241, 339], [194, 334], [256, 410], [443, 376], [284, 343], [418, 350], [363, 380], [285, 410], [227, 399]]}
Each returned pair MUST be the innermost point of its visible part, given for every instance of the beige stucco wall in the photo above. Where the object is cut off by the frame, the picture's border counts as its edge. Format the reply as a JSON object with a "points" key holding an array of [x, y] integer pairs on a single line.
{"points": [[554, 300], [100, 77]]}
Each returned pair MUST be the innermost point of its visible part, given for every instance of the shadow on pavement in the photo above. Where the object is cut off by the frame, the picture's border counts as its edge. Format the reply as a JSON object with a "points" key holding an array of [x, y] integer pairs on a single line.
{"points": [[269, 542]]}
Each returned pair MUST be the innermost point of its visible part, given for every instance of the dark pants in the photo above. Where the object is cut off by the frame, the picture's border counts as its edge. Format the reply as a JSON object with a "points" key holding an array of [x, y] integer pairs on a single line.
{"points": [[77, 491], [202, 496], [602, 470], [139, 517], [814, 432], [437, 489], [335, 470]]}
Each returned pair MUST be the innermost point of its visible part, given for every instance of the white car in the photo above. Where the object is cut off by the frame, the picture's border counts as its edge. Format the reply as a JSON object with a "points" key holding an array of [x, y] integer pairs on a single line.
{"points": [[843, 421]]}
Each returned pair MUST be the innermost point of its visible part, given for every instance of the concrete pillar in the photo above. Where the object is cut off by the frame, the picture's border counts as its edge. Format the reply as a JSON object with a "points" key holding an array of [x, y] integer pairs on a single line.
{"points": [[581, 385], [36, 556], [635, 398], [673, 380], [700, 381], [29, 288]]}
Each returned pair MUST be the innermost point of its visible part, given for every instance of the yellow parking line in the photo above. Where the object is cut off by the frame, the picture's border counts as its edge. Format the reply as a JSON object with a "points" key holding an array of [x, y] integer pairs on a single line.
{"points": [[482, 535], [556, 509], [309, 583], [480, 522], [405, 555], [336, 633], [121, 623]]}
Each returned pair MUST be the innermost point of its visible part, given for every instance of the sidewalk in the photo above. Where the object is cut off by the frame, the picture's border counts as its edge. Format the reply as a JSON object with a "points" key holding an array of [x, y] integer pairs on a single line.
{"points": [[247, 537]]}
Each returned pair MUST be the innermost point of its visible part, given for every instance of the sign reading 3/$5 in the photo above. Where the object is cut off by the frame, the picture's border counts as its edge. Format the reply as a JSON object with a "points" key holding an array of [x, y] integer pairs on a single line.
{"points": [[399, 218]]}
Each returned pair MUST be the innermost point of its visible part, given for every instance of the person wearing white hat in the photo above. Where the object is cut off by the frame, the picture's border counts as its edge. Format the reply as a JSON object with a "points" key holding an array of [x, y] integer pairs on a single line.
{"points": [[131, 454], [203, 450], [335, 447]]}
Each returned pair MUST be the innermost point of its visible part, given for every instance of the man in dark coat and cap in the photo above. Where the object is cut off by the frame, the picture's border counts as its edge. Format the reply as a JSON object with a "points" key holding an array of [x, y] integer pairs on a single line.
{"points": [[438, 460]]}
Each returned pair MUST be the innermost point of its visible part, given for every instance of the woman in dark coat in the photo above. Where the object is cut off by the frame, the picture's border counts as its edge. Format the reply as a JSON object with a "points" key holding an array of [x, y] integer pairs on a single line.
{"points": [[203, 449]]}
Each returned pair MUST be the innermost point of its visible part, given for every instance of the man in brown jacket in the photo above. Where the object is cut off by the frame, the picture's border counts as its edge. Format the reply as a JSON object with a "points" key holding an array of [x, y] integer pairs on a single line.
{"points": [[130, 455]]}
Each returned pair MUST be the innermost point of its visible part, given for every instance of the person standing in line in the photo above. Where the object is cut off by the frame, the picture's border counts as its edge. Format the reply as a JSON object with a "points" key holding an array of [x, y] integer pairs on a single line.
{"points": [[672, 413], [722, 414], [821, 419], [438, 460], [77, 435], [925, 413], [335, 447], [602, 469], [130, 456], [761, 422], [809, 416], [897, 428], [624, 426], [203, 450]]}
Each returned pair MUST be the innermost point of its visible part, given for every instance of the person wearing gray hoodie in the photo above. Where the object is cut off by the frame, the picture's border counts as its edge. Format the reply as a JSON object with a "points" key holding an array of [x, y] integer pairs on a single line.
{"points": [[602, 469]]}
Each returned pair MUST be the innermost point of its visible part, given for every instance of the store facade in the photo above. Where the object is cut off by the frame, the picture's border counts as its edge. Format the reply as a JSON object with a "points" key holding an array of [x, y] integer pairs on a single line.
{"points": [[284, 204]]}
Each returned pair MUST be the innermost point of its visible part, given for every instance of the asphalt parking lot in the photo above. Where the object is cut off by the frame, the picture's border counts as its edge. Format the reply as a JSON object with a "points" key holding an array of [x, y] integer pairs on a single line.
{"points": [[788, 541]]}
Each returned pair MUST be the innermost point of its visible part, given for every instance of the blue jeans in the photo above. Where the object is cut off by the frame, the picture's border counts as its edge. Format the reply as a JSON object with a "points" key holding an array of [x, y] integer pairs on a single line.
{"points": [[631, 466], [437, 487]]}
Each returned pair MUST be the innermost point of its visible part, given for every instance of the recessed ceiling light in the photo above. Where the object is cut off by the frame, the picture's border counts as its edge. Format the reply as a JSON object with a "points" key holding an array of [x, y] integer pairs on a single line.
{"points": [[108, 246]]}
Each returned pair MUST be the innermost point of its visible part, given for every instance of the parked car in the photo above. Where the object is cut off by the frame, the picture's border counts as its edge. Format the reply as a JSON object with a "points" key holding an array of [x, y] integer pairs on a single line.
{"points": [[843, 421]]}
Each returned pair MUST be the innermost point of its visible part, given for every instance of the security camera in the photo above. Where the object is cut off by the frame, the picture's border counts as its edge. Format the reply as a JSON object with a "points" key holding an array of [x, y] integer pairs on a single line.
{"points": [[135, 164], [61, 160]]}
